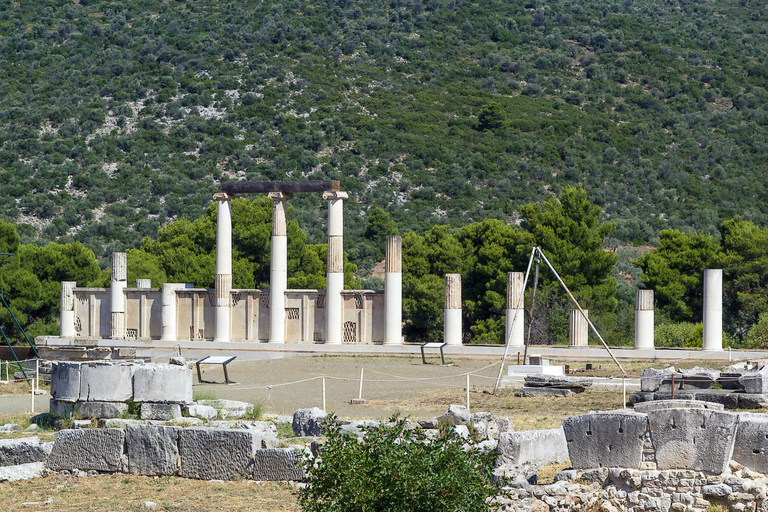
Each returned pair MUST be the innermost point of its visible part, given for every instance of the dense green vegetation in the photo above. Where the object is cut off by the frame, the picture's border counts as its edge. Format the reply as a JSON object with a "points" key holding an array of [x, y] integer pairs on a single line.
{"points": [[119, 116]]}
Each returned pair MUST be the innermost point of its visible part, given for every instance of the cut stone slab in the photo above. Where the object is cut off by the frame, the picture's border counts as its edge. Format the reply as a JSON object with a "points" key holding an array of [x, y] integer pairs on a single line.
{"points": [[217, 454], [645, 407], [201, 411], [456, 415], [100, 410], [755, 382], [756, 401], [485, 425], [22, 472], [21, 451], [279, 464], [697, 439], [308, 422], [86, 449], [229, 409], [106, 382], [730, 379], [65, 381], [162, 383], [427, 424], [651, 379], [605, 439], [152, 450], [163, 412], [531, 448], [557, 381], [730, 400], [59, 408], [533, 392]]}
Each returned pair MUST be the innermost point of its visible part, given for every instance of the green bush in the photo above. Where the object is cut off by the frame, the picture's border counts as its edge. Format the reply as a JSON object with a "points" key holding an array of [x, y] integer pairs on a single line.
{"points": [[757, 337], [393, 469], [678, 334]]}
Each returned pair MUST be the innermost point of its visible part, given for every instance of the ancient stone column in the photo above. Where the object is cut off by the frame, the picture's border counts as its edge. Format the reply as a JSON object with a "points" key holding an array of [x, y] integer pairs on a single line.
{"points": [[68, 309], [515, 337], [278, 268], [335, 275], [143, 283], [644, 319], [578, 329], [393, 292], [117, 295], [168, 331], [713, 309], [452, 333], [223, 284]]}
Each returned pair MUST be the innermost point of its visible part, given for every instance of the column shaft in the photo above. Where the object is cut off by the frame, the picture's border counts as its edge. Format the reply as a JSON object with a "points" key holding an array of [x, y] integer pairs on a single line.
{"points": [[393, 292], [68, 309], [713, 309], [223, 282], [578, 329], [515, 337], [117, 295], [452, 330], [278, 268], [644, 335], [169, 331], [335, 276]]}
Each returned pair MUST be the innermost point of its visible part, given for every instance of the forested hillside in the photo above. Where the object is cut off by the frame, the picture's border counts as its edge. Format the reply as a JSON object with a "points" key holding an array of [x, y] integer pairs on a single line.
{"points": [[116, 117]]}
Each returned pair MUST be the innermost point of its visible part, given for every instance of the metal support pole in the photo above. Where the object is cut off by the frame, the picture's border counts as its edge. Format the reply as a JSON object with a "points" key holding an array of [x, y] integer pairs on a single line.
{"points": [[624, 393], [360, 393], [467, 391], [323, 392]]}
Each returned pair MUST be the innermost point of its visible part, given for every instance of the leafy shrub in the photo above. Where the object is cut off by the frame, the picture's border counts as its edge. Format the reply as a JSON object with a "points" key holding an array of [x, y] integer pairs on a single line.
{"points": [[679, 334], [757, 337], [394, 469]]}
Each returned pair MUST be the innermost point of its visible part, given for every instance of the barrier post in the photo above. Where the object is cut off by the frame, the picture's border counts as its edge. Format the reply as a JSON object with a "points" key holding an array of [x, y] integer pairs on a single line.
{"points": [[624, 394], [33, 395], [467, 391], [360, 393], [323, 392]]}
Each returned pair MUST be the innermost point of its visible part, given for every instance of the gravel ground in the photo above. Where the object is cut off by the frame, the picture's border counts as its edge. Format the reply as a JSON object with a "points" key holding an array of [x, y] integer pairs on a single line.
{"points": [[254, 377]]}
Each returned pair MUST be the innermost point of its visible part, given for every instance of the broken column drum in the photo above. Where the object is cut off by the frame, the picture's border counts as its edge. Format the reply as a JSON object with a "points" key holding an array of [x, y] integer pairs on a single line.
{"points": [[393, 292], [278, 270], [515, 337], [452, 333], [713, 310], [223, 266], [117, 295], [335, 276], [578, 329], [168, 331], [644, 319], [68, 309]]}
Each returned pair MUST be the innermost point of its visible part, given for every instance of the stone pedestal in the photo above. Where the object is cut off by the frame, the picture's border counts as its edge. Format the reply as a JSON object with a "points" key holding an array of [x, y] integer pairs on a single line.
{"points": [[644, 319], [578, 329], [452, 332], [223, 284], [515, 336], [117, 295], [393, 292], [168, 331], [68, 309], [713, 310], [278, 270], [335, 275]]}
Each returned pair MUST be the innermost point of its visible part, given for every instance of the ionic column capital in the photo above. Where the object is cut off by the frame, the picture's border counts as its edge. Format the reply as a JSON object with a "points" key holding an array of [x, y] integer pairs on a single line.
{"points": [[223, 196], [278, 196], [334, 195]]}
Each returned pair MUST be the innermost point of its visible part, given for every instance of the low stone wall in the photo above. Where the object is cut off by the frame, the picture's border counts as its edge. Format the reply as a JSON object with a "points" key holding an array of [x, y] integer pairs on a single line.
{"points": [[107, 389]]}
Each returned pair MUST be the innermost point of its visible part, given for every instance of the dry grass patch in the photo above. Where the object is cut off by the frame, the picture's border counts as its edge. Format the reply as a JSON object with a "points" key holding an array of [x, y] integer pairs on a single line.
{"points": [[126, 492]]}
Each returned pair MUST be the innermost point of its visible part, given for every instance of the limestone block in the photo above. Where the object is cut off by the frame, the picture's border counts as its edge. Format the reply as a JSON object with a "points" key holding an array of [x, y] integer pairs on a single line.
{"points": [[278, 464], [264, 428], [645, 407], [531, 448], [697, 439], [86, 449], [152, 450], [427, 424], [201, 411], [162, 383], [456, 415], [106, 382], [730, 400], [99, 410], [651, 379], [605, 439], [533, 392], [59, 408], [751, 446], [485, 425], [152, 411], [229, 408], [65, 381], [755, 382], [308, 422], [752, 401], [21, 451], [730, 379], [505, 425], [217, 454], [25, 471]]}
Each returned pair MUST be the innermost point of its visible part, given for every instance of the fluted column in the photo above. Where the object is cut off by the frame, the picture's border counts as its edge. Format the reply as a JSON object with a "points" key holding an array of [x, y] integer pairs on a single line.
{"points": [[578, 329], [223, 284], [452, 333], [644, 319], [278, 268], [515, 337], [713, 309], [335, 275], [393, 292], [168, 331], [143, 283], [68, 309], [117, 295]]}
